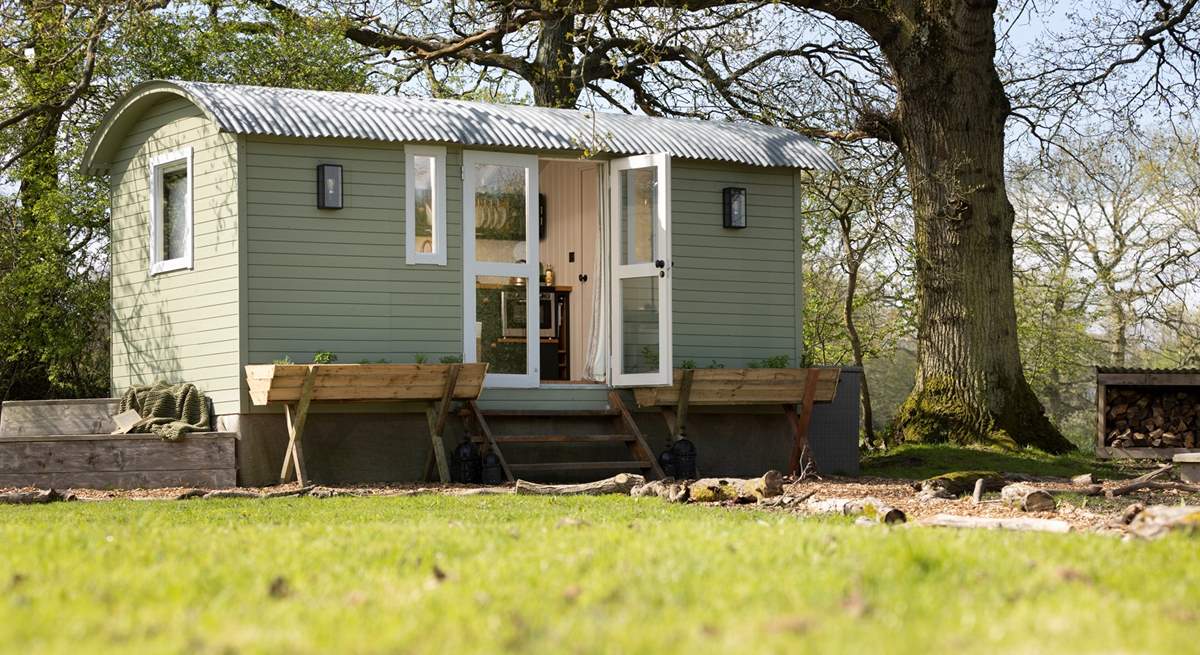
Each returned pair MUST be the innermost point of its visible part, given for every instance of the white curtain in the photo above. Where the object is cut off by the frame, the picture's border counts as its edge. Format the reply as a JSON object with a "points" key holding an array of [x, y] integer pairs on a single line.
{"points": [[596, 364]]}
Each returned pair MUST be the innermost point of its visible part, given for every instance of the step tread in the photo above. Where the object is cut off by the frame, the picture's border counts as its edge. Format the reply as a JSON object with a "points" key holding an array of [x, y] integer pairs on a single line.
{"points": [[488, 413], [572, 466], [558, 438]]}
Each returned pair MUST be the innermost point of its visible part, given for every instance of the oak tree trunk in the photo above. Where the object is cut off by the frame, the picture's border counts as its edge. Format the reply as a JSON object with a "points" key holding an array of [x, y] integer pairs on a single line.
{"points": [[949, 124]]}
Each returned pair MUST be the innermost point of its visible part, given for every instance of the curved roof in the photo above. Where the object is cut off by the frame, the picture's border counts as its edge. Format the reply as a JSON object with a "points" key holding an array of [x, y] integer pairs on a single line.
{"points": [[326, 114]]}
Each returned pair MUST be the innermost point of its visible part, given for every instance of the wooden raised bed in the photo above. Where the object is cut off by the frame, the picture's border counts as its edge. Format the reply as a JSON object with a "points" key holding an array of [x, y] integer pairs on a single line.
{"points": [[786, 387], [66, 444], [297, 386]]}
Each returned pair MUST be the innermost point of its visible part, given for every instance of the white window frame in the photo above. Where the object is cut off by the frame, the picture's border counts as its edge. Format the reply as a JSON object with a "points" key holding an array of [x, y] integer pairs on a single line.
{"points": [[438, 187], [158, 165]]}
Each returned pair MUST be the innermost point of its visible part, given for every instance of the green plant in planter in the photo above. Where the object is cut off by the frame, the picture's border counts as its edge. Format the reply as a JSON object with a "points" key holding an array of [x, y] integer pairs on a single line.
{"points": [[687, 363], [451, 359], [715, 364], [324, 357], [420, 358], [283, 361], [778, 361]]}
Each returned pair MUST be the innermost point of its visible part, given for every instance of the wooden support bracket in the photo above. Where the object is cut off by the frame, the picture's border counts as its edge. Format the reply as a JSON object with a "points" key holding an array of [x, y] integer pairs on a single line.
{"points": [[486, 429], [436, 415], [293, 457], [801, 459]]}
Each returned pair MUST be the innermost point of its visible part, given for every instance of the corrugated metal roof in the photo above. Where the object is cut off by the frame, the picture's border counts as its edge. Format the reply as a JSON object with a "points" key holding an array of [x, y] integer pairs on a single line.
{"points": [[1150, 371], [300, 113]]}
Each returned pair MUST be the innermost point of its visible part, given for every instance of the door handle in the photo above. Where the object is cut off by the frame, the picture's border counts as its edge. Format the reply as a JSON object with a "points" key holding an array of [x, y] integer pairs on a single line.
{"points": [[658, 263], [583, 277]]}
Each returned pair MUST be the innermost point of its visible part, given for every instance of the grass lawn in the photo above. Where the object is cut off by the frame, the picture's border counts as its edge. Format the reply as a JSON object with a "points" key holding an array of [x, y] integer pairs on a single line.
{"points": [[436, 574]]}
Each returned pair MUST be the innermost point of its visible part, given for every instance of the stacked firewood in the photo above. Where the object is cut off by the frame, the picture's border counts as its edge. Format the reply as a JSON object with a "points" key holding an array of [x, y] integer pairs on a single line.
{"points": [[1151, 418]]}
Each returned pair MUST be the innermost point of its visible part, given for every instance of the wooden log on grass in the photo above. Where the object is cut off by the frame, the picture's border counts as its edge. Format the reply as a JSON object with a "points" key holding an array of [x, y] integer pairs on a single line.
{"points": [[979, 522], [713, 490], [872, 509], [1027, 498], [1154, 485], [1157, 520], [622, 483], [710, 490], [36, 497]]}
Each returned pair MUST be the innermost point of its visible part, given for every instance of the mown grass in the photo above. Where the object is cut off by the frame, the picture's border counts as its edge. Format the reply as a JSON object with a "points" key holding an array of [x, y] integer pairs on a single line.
{"points": [[917, 462], [434, 574]]}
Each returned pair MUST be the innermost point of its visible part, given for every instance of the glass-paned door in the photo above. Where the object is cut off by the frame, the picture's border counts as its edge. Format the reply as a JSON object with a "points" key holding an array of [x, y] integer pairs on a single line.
{"points": [[641, 270], [500, 266]]}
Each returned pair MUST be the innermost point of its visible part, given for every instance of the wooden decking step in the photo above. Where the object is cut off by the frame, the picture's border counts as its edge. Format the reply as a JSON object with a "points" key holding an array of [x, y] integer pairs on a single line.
{"points": [[568, 413], [559, 438], [579, 466]]}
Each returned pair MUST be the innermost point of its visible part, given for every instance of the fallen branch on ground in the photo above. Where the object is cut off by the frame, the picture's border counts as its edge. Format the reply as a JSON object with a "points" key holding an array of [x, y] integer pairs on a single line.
{"points": [[1155, 485], [1022, 524], [622, 483], [871, 508]]}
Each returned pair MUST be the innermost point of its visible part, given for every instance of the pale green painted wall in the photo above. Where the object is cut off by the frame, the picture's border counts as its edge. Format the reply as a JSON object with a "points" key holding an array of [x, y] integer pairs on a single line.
{"points": [[735, 292], [336, 279], [181, 325]]}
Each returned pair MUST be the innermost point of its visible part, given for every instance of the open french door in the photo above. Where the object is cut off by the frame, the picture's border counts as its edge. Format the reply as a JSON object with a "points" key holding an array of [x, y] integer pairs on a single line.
{"points": [[500, 266], [640, 223]]}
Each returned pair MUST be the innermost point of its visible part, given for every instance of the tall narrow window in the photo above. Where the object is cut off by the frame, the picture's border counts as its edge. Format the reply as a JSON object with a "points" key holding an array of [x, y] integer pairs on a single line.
{"points": [[425, 205], [171, 211]]}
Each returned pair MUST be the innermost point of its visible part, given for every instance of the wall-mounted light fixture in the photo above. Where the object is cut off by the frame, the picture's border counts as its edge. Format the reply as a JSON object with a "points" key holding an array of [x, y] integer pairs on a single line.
{"points": [[735, 208], [329, 186]]}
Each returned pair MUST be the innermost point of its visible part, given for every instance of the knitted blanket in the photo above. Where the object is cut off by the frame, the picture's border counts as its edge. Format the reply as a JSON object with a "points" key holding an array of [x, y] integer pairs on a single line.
{"points": [[168, 410]]}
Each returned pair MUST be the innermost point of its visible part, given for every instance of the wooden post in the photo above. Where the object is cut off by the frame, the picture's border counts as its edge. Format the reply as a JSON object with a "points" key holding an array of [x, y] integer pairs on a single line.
{"points": [[294, 455], [491, 441], [639, 447], [437, 422], [801, 452], [681, 412]]}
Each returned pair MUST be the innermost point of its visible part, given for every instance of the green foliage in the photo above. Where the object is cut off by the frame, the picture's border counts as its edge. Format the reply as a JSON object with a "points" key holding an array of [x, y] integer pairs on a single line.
{"points": [[451, 359], [414, 574], [715, 364], [420, 358], [283, 361], [324, 357], [688, 363], [776, 361]]}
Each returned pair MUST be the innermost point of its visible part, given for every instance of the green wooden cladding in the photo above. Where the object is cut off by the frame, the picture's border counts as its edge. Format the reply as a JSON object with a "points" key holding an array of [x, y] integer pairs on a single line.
{"points": [[282, 277]]}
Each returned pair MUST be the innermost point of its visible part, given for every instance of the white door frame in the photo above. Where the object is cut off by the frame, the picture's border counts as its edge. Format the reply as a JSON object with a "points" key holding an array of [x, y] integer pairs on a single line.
{"points": [[651, 269], [528, 270]]}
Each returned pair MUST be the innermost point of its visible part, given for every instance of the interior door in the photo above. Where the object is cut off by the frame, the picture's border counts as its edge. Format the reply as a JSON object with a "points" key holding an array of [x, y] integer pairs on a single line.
{"points": [[640, 220], [500, 266]]}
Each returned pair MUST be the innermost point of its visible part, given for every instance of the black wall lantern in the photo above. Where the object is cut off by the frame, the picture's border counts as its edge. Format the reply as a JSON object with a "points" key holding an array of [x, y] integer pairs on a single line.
{"points": [[329, 186], [735, 208]]}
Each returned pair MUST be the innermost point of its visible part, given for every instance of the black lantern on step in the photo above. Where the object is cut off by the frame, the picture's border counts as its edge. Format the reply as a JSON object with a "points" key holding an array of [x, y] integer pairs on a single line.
{"points": [[493, 473], [465, 463], [666, 462], [683, 454]]}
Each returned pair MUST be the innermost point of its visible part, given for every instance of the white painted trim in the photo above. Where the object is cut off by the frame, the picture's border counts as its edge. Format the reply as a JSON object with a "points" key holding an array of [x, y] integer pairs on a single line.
{"points": [[619, 271], [438, 184], [158, 164], [528, 270]]}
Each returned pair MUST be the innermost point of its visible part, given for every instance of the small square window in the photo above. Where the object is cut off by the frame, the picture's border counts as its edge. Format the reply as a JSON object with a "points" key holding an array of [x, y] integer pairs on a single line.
{"points": [[425, 205], [171, 211]]}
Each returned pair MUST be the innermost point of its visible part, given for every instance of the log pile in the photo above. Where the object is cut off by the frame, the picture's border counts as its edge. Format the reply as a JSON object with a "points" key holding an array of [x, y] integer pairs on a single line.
{"points": [[1139, 417]]}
